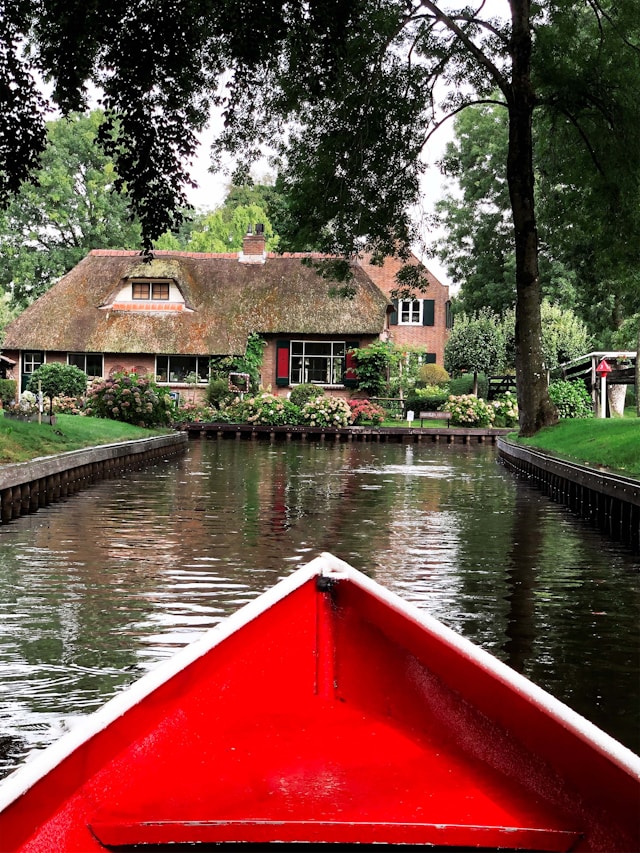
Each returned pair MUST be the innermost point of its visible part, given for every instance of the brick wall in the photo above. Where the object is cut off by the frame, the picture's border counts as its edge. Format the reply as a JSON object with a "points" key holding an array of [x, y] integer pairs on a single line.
{"points": [[432, 338]]}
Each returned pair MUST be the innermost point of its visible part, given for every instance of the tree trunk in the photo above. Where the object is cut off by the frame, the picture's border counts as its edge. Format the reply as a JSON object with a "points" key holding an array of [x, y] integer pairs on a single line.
{"points": [[536, 410]]}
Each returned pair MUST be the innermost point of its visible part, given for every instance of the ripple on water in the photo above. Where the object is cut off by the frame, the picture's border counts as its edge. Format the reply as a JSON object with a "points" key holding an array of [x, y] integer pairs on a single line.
{"points": [[98, 589]]}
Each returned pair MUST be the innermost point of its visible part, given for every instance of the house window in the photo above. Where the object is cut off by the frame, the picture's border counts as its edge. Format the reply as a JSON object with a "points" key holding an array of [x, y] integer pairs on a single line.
{"points": [[176, 368], [160, 290], [31, 361], [413, 312], [317, 362], [90, 362], [448, 315], [150, 290], [410, 312]]}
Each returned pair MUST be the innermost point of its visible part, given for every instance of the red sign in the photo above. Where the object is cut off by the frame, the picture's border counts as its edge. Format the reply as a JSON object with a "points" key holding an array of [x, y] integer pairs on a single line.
{"points": [[603, 368]]}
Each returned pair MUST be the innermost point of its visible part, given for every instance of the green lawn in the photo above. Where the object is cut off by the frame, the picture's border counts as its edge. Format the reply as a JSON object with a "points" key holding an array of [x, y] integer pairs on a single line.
{"points": [[612, 443], [21, 441]]}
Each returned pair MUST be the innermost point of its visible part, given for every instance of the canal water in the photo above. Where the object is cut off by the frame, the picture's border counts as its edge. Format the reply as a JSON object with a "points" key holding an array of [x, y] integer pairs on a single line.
{"points": [[94, 591]]}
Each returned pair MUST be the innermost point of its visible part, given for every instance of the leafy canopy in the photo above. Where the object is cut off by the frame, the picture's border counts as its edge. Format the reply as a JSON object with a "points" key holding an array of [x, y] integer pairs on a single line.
{"points": [[58, 380], [351, 87], [51, 224]]}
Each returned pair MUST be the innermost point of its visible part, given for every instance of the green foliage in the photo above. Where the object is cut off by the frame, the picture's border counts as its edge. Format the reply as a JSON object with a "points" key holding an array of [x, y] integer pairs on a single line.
{"points": [[8, 388], [571, 399], [220, 230], [7, 312], [468, 410], [433, 374], [505, 410], [627, 335], [250, 362], [130, 398], [266, 410], [218, 394], [428, 399], [364, 411], [195, 413], [588, 217], [326, 412], [373, 366], [564, 335], [58, 380], [68, 405], [301, 394], [475, 344], [52, 224], [464, 384]]}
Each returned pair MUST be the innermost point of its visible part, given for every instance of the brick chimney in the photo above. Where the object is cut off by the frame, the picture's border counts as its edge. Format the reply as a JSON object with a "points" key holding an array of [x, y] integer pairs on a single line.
{"points": [[253, 246]]}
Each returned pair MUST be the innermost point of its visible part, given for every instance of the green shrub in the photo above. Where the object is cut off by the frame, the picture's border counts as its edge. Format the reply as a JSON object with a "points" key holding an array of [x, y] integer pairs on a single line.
{"points": [[464, 385], [326, 412], [218, 394], [373, 364], [470, 411], [505, 410], [67, 406], [571, 399], [195, 413], [433, 374], [301, 394], [8, 389], [265, 410], [58, 380], [428, 399], [363, 411], [129, 398]]}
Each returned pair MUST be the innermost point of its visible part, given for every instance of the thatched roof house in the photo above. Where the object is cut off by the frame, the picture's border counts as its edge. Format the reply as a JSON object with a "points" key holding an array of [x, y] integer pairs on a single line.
{"points": [[168, 315]]}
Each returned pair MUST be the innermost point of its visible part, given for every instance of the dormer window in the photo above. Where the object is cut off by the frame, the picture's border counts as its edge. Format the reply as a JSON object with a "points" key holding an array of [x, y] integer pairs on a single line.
{"points": [[148, 296], [155, 290]]}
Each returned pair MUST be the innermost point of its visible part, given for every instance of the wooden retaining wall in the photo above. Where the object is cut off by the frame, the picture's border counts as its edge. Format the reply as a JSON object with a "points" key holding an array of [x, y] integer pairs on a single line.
{"points": [[403, 435], [27, 486], [608, 501]]}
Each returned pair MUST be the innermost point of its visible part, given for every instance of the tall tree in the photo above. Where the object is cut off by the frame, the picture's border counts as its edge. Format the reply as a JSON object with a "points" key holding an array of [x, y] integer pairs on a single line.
{"points": [[588, 220], [52, 223], [220, 230], [356, 79], [476, 243]]}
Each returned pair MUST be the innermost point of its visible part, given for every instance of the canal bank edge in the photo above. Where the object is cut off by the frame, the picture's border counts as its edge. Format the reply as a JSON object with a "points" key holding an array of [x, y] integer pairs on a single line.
{"points": [[26, 486], [609, 501]]}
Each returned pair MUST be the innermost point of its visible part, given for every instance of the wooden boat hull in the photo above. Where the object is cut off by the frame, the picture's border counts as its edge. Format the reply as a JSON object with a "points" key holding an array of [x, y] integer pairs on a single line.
{"points": [[328, 711]]}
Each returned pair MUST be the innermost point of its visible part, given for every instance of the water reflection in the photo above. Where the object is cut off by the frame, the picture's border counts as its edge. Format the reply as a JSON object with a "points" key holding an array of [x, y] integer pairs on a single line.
{"points": [[96, 590]]}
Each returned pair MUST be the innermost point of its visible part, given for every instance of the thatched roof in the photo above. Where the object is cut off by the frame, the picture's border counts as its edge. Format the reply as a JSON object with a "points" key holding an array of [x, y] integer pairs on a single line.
{"points": [[226, 300]]}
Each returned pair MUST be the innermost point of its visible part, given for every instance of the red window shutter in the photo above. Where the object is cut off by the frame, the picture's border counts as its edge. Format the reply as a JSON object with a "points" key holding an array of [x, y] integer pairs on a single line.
{"points": [[350, 378], [282, 363]]}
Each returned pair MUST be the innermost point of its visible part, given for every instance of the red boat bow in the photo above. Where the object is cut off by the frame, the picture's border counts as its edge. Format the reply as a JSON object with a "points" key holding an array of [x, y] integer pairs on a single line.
{"points": [[328, 711]]}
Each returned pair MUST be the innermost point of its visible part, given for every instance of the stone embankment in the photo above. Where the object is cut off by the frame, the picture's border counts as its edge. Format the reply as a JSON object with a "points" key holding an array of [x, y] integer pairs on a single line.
{"points": [[609, 501], [26, 486], [402, 435]]}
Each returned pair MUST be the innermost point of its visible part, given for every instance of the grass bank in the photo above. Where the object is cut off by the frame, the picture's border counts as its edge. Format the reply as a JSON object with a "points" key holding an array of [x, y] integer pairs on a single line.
{"points": [[612, 443], [21, 441]]}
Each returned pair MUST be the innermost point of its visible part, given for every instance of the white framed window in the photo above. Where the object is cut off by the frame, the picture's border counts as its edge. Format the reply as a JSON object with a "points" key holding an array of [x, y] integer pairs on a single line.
{"points": [[90, 362], [410, 312], [31, 361], [176, 368], [317, 362]]}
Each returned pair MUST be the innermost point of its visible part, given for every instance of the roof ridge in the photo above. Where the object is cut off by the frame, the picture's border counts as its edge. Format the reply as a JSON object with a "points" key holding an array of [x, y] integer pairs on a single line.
{"points": [[205, 255]]}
